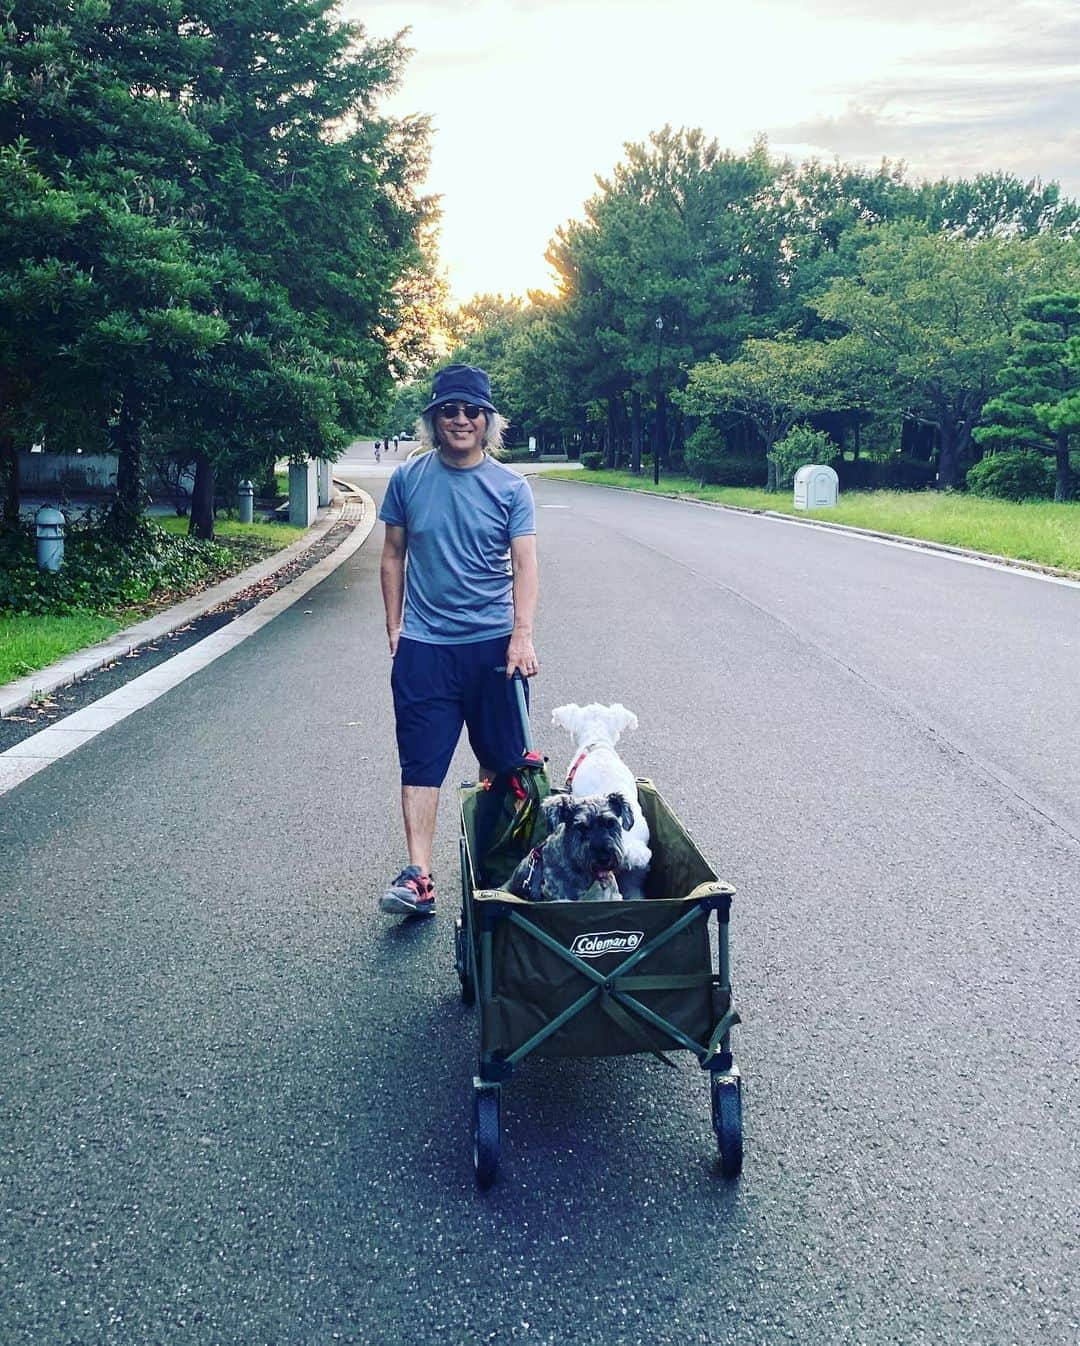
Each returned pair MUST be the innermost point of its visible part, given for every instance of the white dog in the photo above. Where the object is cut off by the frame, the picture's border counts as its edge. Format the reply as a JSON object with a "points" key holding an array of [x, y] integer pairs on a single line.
{"points": [[597, 769]]}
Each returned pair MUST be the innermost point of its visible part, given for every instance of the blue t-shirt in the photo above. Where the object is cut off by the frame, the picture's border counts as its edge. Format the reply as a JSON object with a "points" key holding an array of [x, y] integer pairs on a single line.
{"points": [[458, 524]]}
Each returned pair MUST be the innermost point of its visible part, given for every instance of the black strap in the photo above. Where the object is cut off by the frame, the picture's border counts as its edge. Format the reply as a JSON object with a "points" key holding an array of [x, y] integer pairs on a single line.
{"points": [[660, 981]]}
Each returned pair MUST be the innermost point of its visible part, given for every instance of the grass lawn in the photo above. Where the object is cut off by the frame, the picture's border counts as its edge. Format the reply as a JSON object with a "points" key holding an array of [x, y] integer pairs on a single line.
{"points": [[28, 643], [1033, 531], [228, 531]]}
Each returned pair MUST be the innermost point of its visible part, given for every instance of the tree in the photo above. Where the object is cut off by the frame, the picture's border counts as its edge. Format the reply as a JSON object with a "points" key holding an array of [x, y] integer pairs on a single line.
{"points": [[941, 308], [998, 205], [314, 196], [677, 233], [723, 247], [1037, 379], [771, 384], [217, 180], [102, 287]]}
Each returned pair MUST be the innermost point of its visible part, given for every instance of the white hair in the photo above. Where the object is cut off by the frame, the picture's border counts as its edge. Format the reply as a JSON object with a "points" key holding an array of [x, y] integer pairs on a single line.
{"points": [[494, 425]]}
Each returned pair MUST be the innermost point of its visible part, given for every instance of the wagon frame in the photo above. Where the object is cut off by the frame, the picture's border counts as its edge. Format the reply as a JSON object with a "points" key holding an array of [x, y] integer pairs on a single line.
{"points": [[541, 989]]}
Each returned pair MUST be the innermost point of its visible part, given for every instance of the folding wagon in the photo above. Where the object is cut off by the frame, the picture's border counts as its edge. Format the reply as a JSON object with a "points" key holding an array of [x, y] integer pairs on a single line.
{"points": [[599, 978]]}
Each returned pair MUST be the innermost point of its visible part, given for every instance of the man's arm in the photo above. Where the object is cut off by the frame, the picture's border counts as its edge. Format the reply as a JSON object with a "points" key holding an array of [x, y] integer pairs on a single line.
{"points": [[520, 652], [392, 579]]}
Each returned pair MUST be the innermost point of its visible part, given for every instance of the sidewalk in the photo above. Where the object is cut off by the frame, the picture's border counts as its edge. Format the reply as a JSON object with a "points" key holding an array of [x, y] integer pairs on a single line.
{"points": [[15, 695], [231, 611]]}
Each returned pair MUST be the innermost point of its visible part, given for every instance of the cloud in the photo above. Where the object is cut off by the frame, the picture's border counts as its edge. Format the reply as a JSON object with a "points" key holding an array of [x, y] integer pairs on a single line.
{"points": [[538, 96], [1003, 99]]}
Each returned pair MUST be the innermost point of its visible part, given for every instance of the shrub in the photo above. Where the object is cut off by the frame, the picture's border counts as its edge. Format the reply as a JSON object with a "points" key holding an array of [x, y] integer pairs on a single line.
{"points": [[1020, 474], [593, 461], [740, 469], [708, 458], [98, 573], [705, 450], [895, 473], [801, 446]]}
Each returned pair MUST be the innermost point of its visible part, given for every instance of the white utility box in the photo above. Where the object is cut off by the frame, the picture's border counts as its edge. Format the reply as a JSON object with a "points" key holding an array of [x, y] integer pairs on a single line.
{"points": [[816, 487]]}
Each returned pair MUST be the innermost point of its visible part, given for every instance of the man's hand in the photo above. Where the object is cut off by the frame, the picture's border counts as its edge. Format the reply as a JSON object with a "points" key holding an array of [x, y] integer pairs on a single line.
{"points": [[521, 655], [393, 635]]}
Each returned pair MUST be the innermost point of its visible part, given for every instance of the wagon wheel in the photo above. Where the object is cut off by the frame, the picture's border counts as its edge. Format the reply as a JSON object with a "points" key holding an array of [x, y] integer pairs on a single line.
{"points": [[461, 962], [461, 932], [486, 1137], [726, 1091]]}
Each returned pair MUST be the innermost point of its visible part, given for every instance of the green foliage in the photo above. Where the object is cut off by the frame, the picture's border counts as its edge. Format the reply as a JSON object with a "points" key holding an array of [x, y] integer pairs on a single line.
{"points": [[208, 237], [1032, 410], [706, 451], [800, 446], [99, 573], [772, 384], [709, 457], [1017, 474], [893, 473], [940, 309], [593, 462], [408, 402], [784, 292]]}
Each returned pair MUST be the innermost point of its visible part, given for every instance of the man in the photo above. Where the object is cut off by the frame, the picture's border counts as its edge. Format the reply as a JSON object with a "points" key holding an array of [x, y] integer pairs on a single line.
{"points": [[459, 615]]}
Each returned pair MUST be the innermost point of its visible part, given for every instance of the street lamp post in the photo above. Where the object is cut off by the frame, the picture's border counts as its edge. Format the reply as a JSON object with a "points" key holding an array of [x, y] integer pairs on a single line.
{"points": [[657, 427]]}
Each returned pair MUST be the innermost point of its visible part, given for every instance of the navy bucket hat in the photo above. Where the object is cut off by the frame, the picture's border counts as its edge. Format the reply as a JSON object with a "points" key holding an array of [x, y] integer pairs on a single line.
{"points": [[461, 383]]}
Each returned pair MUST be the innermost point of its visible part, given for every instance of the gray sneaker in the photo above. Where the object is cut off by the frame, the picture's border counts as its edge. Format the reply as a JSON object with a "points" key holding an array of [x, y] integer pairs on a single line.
{"points": [[411, 894]]}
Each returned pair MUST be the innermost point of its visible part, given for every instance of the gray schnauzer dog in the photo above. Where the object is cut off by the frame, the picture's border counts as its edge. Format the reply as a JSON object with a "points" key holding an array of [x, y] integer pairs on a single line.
{"points": [[581, 856]]}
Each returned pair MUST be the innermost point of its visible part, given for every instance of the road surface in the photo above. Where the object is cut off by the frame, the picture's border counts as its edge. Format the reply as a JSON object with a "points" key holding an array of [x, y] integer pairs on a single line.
{"points": [[234, 1100]]}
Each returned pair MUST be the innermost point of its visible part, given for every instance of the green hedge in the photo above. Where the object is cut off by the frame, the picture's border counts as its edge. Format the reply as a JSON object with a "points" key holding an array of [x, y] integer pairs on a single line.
{"points": [[886, 474]]}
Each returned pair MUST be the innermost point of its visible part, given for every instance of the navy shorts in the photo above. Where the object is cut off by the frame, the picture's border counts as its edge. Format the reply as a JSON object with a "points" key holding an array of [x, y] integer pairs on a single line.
{"points": [[439, 688]]}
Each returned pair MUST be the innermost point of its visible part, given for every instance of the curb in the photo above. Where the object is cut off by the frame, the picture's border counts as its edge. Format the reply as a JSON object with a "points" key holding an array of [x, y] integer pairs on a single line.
{"points": [[15, 695], [918, 543]]}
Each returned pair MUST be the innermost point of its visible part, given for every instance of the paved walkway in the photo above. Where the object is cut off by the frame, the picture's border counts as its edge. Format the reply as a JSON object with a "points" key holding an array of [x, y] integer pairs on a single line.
{"points": [[41, 749]]}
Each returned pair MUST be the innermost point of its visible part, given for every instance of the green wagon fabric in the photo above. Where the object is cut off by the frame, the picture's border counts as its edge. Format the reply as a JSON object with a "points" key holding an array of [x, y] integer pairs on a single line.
{"points": [[531, 984]]}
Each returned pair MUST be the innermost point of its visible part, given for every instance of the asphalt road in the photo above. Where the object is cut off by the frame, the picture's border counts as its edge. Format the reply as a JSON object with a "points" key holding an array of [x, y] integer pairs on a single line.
{"points": [[234, 1100]]}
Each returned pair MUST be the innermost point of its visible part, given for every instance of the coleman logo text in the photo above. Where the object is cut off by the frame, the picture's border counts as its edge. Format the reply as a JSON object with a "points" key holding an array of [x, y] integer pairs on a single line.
{"points": [[607, 941]]}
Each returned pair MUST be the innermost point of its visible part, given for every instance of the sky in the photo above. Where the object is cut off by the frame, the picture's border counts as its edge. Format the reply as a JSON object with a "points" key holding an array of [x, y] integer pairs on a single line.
{"points": [[531, 99]]}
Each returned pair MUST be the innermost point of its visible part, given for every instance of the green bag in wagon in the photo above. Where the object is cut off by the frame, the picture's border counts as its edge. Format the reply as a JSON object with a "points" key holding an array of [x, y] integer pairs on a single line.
{"points": [[509, 820]]}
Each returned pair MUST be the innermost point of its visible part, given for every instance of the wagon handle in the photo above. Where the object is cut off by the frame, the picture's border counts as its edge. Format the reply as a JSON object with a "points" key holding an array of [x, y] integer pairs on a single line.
{"points": [[523, 710]]}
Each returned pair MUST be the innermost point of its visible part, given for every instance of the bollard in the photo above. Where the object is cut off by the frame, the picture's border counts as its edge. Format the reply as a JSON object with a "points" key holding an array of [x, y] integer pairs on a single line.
{"points": [[245, 494], [50, 538]]}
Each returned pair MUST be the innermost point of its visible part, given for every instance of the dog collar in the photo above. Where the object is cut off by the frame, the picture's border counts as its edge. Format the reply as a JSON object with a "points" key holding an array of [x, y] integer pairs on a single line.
{"points": [[578, 761]]}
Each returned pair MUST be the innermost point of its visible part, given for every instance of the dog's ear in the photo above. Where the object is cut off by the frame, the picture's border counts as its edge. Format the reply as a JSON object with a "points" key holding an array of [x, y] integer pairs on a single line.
{"points": [[624, 719], [565, 716], [557, 809], [619, 804]]}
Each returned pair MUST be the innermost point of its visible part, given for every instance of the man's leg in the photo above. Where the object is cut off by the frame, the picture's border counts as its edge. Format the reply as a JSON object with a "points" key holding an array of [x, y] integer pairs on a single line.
{"points": [[429, 719], [420, 807]]}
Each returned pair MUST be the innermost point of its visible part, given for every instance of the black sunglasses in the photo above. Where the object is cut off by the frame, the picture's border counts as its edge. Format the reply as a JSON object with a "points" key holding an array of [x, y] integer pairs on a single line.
{"points": [[450, 410]]}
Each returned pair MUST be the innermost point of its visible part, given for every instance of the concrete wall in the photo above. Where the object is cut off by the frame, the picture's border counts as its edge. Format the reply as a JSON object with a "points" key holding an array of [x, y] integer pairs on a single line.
{"points": [[46, 472], [84, 474]]}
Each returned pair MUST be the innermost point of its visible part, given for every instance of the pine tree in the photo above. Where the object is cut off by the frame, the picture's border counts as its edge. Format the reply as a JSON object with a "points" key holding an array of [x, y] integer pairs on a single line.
{"points": [[227, 222], [310, 193], [1038, 379], [100, 284]]}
